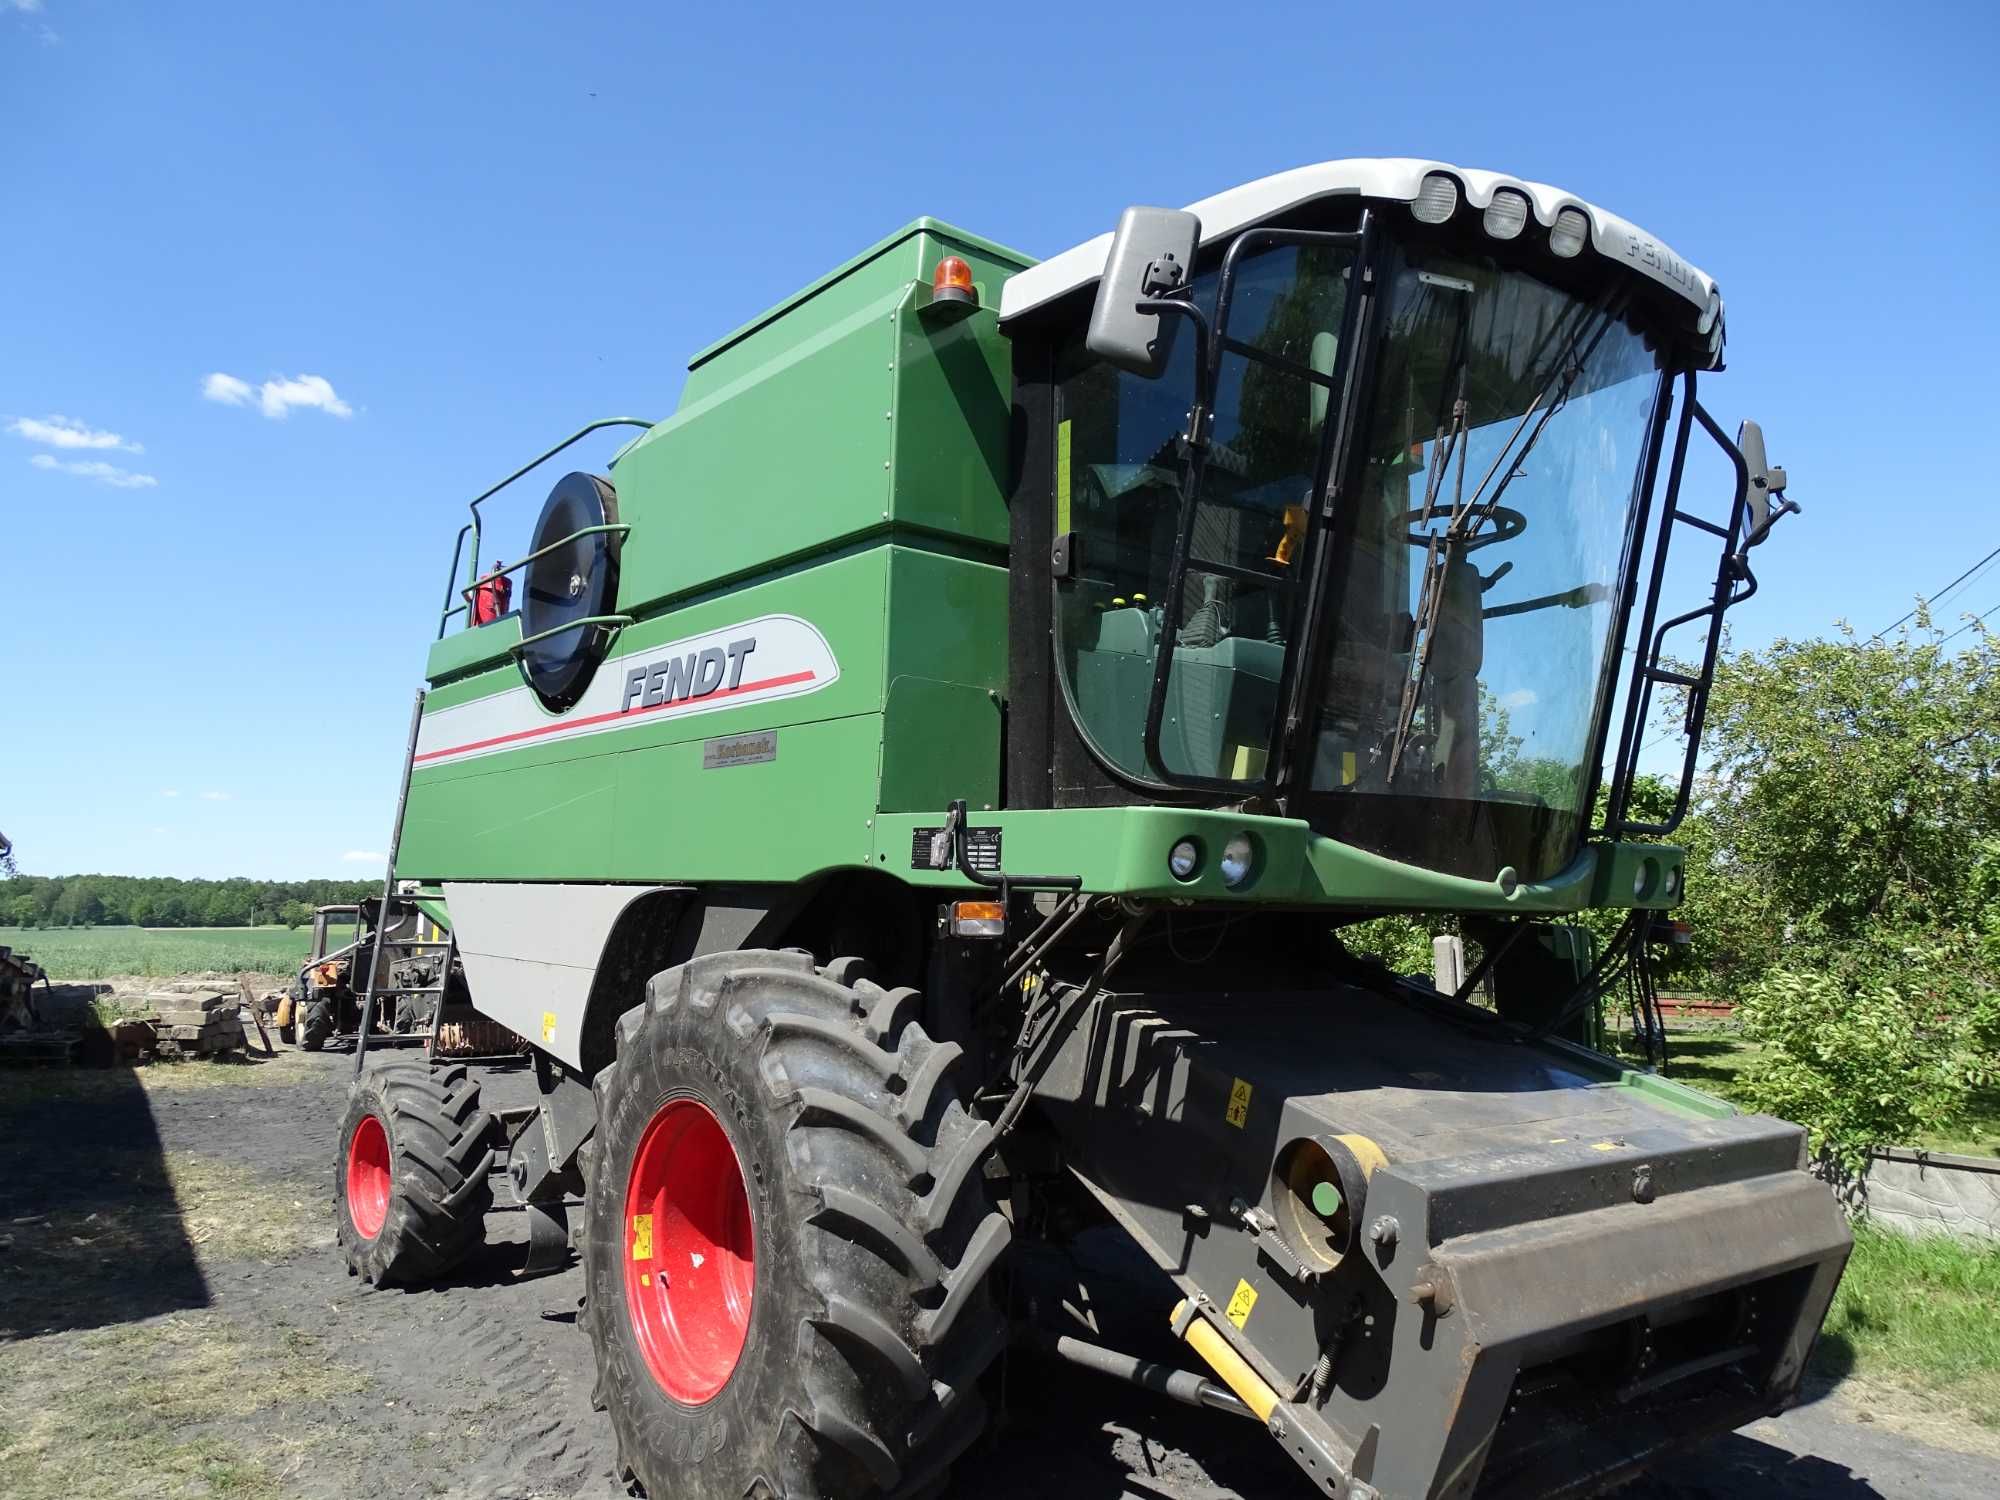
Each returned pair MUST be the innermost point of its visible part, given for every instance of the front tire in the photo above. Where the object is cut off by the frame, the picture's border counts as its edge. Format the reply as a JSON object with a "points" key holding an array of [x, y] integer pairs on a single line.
{"points": [[411, 1192], [788, 1245]]}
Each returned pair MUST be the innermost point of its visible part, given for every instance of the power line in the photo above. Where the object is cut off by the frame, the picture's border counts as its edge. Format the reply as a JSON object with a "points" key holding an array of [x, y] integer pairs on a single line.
{"points": [[1941, 592], [1976, 619]]}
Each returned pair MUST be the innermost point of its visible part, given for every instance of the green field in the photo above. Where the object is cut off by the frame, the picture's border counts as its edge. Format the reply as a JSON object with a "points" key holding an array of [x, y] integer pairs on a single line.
{"points": [[162, 952]]}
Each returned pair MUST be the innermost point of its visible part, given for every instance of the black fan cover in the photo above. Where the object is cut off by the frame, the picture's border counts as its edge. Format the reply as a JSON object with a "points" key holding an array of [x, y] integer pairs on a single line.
{"points": [[575, 581]]}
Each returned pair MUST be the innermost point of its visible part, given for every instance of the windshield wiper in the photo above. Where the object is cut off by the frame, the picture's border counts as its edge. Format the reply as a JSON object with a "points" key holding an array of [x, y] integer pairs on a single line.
{"points": [[1467, 518]]}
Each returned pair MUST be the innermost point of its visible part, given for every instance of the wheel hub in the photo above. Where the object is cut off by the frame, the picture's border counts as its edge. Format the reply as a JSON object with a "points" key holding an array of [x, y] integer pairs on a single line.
{"points": [[369, 1178], [689, 1258]]}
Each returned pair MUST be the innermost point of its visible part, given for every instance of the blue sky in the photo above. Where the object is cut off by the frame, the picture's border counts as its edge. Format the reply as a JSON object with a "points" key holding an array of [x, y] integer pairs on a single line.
{"points": [[423, 241]]}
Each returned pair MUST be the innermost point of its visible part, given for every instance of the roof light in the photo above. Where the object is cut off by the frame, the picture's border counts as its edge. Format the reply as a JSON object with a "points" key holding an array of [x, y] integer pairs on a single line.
{"points": [[952, 282], [1437, 199], [1506, 214], [1572, 229]]}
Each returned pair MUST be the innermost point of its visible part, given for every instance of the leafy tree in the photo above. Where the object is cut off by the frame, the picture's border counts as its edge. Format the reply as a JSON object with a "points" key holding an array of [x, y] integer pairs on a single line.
{"points": [[1855, 779], [1845, 875]]}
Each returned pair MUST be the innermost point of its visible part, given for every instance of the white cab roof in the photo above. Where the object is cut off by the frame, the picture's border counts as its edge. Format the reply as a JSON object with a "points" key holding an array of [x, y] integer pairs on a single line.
{"points": [[1394, 179]]}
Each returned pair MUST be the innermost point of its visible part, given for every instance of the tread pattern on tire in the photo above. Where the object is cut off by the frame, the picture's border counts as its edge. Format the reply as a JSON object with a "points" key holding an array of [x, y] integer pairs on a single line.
{"points": [[318, 1026], [440, 1141], [898, 1240]]}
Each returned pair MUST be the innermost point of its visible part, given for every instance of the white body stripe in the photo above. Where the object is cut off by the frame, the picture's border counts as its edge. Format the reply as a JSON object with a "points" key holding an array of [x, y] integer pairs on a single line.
{"points": [[786, 657]]}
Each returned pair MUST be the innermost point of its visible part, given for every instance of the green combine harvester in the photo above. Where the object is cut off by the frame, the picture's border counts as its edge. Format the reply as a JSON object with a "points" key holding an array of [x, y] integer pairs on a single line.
{"points": [[913, 813]]}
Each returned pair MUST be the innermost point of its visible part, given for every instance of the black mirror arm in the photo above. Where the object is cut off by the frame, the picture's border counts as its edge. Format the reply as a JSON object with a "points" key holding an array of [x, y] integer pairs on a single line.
{"points": [[1196, 435]]}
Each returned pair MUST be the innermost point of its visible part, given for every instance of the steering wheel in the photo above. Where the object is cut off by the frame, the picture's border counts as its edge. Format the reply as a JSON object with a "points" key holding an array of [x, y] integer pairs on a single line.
{"points": [[1508, 523]]}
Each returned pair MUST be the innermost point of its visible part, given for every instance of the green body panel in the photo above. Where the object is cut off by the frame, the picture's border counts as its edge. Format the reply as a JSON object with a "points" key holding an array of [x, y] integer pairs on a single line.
{"points": [[464, 652], [920, 638], [1124, 850], [844, 458], [842, 413]]}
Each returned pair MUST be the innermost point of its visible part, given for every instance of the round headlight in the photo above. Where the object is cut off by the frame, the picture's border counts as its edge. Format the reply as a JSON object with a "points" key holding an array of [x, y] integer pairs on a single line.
{"points": [[1184, 859], [1642, 879], [1673, 882], [1239, 859]]}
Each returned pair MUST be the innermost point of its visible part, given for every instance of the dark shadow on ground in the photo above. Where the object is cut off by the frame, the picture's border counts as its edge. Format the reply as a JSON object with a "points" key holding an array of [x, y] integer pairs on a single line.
{"points": [[1737, 1465], [93, 1233]]}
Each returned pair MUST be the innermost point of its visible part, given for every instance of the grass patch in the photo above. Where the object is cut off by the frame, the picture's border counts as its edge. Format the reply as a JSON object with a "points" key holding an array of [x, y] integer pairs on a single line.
{"points": [[162, 952], [158, 1408], [1921, 1316]]}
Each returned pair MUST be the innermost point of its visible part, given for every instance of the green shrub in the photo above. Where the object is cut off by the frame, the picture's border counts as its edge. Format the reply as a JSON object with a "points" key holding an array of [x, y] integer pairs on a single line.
{"points": [[1870, 1048]]}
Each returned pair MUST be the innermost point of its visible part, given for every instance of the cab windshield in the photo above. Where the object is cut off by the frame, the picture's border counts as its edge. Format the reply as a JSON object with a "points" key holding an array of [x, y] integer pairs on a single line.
{"points": [[1473, 566]]}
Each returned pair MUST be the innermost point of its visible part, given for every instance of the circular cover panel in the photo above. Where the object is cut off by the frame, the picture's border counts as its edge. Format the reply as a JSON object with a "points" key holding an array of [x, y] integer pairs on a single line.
{"points": [[575, 581]]}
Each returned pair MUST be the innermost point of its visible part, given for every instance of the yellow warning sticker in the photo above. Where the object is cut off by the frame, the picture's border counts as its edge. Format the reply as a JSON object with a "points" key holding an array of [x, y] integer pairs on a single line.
{"points": [[642, 1236], [1062, 478], [548, 1025], [1238, 1311], [1239, 1108]]}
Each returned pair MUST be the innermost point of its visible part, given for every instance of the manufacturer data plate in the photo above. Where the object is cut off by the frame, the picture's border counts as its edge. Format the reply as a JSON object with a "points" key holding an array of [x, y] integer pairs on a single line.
{"points": [[739, 750], [982, 848]]}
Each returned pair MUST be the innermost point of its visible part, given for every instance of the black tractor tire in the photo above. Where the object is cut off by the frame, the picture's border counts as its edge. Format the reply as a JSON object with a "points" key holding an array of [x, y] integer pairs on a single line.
{"points": [[318, 1026], [872, 1313], [288, 1034], [436, 1142]]}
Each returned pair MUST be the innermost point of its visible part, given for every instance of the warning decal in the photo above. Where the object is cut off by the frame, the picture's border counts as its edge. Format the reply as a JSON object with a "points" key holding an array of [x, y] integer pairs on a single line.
{"points": [[1239, 1103], [1238, 1311], [642, 1236]]}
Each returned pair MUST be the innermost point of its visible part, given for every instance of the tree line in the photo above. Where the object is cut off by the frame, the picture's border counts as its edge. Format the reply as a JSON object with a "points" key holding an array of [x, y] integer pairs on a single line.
{"points": [[158, 901]]}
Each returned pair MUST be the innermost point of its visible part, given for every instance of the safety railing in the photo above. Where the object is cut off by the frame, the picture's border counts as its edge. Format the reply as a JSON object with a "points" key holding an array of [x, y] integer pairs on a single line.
{"points": [[472, 528]]}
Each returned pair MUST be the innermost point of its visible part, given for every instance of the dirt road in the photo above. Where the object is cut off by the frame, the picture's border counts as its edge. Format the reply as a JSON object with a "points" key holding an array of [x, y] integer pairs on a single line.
{"points": [[174, 1321]]}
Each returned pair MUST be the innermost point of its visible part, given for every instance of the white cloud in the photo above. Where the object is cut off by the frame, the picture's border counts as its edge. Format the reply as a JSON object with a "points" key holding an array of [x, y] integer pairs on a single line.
{"points": [[1519, 698], [95, 468], [68, 432], [276, 398], [363, 856], [215, 796], [27, 5], [170, 791], [227, 389]]}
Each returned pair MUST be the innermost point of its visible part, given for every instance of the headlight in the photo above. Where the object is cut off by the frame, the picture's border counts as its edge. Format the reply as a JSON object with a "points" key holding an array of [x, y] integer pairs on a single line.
{"points": [[1642, 880], [1239, 860], [1506, 214], [1673, 882], [1572, 228], [1437, 199], [1184, 859]]}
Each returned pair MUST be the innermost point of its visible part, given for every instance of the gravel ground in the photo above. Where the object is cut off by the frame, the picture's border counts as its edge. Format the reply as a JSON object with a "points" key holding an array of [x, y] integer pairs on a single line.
{"points": [[174, 1320]]}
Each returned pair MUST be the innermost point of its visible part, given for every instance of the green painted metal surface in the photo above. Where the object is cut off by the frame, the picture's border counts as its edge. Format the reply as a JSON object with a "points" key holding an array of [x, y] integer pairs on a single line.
{"points": [[843, 458]]}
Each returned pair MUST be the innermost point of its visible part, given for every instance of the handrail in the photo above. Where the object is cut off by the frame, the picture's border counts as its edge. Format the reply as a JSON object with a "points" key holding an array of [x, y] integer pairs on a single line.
{"points": [[621, 527], [615, 622], [472, 526]]}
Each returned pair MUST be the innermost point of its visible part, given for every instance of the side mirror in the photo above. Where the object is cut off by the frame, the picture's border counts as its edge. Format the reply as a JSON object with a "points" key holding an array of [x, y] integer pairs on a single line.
{"points": [[1764, 491], [1152, 256]]}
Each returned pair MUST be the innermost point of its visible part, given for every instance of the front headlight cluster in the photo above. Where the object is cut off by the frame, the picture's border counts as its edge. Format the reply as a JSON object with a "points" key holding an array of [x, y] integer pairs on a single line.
{"points": [[1237, 865]]}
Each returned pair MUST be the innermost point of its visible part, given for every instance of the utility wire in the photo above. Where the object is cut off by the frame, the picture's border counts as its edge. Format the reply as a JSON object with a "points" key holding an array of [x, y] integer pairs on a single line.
{"points": [[1941, 592], [1968, 625]]}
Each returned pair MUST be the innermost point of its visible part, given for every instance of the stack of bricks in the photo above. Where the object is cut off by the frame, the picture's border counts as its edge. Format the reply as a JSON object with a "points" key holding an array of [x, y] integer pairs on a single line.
{"points": [[196, 1023]]}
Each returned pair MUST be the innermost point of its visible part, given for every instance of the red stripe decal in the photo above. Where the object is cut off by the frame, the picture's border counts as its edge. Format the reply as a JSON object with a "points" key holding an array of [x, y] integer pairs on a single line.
{"points": [[633, 713]]}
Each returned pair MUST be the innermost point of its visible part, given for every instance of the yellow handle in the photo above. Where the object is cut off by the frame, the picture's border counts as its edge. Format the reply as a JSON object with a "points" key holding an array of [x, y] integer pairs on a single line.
{"points": [[1228, 1364]]}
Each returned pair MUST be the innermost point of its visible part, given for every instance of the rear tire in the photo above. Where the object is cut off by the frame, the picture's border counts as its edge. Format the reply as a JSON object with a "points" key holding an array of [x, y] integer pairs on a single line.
{"points": [[851, 1176], [410, 1191], [318, 1027]]}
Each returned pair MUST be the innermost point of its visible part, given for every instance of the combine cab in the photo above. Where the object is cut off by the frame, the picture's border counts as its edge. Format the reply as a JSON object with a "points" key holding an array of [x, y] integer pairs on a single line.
{"points": [[915, 807]]}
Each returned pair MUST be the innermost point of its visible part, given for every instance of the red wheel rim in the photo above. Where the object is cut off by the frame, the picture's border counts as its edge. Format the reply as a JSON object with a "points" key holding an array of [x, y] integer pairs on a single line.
{"points": [[368, 1176], [690, 1262]]}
